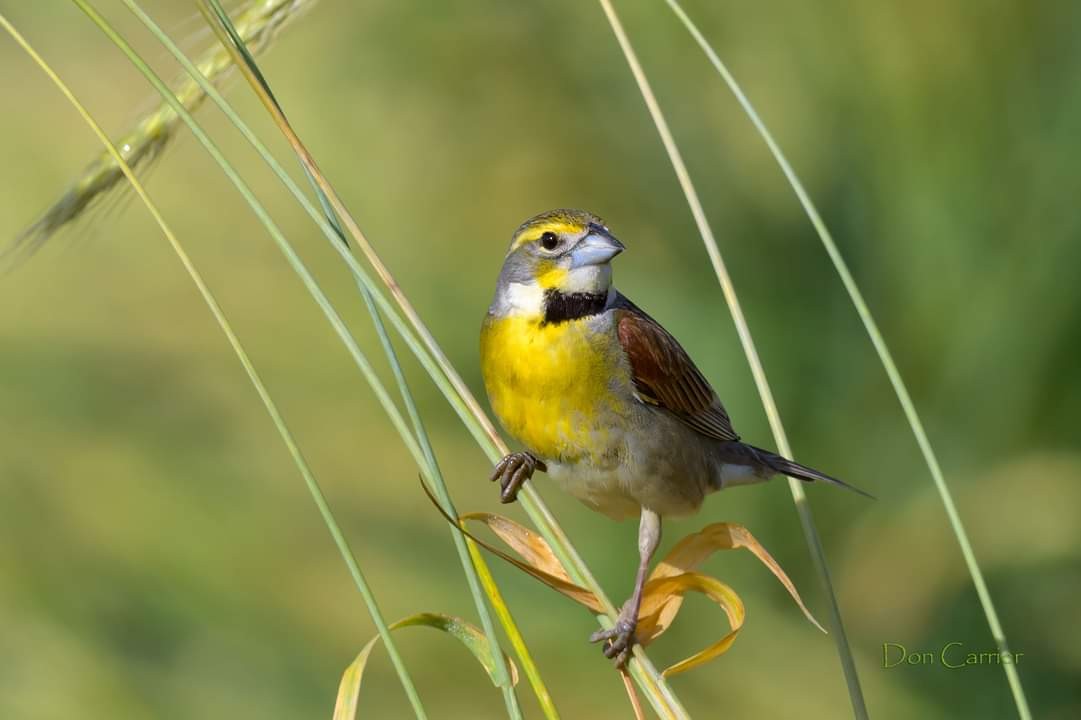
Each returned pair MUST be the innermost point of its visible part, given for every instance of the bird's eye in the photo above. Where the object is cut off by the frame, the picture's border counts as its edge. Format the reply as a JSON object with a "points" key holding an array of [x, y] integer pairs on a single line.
{"points": [[549, 240]]}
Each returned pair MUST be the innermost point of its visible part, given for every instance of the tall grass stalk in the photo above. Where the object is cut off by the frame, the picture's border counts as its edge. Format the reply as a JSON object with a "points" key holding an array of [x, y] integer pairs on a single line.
{"points": [[259, 22], [477, 574], [329, 225], [299, 268], [884, 355], [803, 508], [465, 404], [335, 320], [264, 395], [466, 558], [476, 571]]}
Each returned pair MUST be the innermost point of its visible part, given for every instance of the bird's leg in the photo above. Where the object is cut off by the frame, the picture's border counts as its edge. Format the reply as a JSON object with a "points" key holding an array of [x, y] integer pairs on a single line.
{"points": [[512, 472], [621, 637]]}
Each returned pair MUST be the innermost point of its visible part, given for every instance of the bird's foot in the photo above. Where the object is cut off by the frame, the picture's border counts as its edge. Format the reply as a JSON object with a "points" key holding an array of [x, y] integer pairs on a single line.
{"points": [[620, 639], [512, 472]]}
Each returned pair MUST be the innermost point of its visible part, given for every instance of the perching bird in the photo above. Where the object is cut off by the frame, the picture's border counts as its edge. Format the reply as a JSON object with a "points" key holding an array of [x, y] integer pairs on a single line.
{"points": [[604, 398]]}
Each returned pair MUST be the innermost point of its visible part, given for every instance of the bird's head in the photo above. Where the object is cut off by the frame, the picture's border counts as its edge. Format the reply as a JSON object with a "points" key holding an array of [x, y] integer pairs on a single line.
{"points": [[556, 255]]}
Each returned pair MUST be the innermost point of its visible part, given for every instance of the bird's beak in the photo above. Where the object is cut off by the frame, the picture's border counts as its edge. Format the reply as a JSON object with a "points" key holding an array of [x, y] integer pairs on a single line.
{"points": [[596, 248]]}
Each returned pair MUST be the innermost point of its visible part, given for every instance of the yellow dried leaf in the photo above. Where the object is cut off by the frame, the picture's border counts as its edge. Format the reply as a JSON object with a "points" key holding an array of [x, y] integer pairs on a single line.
{"points": [[653, 619], [531, 546], [535, 550], [693, 550], [519, 537], [663, 593]]}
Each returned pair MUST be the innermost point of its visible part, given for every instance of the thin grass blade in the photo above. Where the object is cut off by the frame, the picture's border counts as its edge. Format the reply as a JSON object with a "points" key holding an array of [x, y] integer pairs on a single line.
{"points": [[433, 470], [299, 268], [803, 508], [345, 708], [472, 563], [632, 695], [249, 368], [884, 355], [450, 383]]}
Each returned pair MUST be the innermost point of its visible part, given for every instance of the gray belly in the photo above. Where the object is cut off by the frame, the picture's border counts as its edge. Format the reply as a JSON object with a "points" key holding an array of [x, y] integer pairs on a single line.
{"points": [[654, 461]]}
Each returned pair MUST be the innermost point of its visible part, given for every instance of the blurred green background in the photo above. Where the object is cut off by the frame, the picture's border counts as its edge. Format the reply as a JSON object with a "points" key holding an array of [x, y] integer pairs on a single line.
{"points": [[159, 555]]}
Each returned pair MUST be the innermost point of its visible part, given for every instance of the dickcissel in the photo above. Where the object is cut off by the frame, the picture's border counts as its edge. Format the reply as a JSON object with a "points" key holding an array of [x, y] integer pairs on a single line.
{"points": [[604, 399]]}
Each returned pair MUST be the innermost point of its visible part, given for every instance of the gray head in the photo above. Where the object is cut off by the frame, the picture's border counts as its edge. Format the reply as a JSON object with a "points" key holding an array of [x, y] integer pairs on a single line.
{"points": [[553, 256]]}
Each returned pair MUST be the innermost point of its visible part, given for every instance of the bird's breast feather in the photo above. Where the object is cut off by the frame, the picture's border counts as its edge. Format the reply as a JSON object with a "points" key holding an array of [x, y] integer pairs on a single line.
{"points": [[552, 385]]}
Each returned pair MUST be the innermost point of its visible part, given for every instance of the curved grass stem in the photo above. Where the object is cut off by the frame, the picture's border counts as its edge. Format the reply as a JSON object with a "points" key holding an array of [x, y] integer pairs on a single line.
{"points": [[264, 395], [258, 22], [803, 508], [328, 223], [501, 674], [469, 558], [884, 356], [458, 394]]}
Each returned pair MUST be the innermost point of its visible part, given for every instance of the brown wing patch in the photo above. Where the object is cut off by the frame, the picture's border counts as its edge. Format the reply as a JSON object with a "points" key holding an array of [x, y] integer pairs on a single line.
{"points": [[664, 375]]}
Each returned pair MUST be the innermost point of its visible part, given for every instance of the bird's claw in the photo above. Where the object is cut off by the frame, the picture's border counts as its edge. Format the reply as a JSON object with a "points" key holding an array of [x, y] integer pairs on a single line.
{"points": [[620, 641], [512, 472]]}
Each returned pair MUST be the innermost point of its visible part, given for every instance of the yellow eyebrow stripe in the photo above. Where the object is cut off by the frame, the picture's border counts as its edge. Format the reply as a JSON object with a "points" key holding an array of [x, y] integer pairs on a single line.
{"points": [[533, 232]]}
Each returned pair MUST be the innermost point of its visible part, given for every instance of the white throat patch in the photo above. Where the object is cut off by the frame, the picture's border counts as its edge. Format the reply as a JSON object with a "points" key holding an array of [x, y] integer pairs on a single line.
{"points": [[524, 298], [588, 279]]}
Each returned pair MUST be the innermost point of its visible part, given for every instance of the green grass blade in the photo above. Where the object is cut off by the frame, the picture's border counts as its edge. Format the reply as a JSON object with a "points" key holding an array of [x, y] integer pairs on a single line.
{"points": [[434, 362], [476, 569], [464, 403], [884, 355], [803, 508], [249, 369], [219, 20], [335, 320], [473, 639], [458, 395], [328, 223], [332, 316], [500, 673], [471, 562]]}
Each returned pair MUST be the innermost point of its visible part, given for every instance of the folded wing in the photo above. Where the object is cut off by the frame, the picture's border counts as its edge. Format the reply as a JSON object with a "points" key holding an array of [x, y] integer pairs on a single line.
{"points": [[665, 376]]}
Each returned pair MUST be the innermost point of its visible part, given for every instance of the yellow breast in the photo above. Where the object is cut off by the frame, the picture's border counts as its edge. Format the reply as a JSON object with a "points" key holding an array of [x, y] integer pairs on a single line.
{"points": [[551, 385]]}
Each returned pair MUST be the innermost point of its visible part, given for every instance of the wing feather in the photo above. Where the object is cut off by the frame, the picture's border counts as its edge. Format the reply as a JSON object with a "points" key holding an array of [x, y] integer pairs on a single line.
{"points": [[664, 374]]}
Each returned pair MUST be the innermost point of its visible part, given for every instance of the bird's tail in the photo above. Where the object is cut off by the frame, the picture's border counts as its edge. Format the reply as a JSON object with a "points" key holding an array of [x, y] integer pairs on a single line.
{"points": [[784, 466]]}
